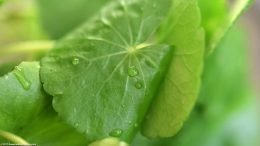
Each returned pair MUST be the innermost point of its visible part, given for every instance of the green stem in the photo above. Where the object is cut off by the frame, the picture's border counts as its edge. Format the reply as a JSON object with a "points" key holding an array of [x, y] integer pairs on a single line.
{"points": [[25, 51], [27, 48], [12, 137]]}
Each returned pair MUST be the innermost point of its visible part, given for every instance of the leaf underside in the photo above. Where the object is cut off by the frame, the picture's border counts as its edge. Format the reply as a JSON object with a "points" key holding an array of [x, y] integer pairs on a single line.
{"points": [[180, 88], [104, 76]]}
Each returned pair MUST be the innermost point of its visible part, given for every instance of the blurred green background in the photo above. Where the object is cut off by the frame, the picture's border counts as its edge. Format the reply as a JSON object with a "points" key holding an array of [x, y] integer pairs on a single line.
{"points": [[227, 112]]}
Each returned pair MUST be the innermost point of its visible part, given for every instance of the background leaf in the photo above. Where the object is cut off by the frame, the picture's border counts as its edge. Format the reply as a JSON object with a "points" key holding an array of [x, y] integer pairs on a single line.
{"points": [[59, 17]]}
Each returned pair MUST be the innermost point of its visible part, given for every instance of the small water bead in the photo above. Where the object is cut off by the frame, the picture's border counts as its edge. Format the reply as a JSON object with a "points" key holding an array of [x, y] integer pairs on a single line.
{"points": [[136, 125], [123, 3], [138, 85], [75, 61], [116, 14], [19, 74], [74, 110], [132, 71], [58, 93], [76, 124], [106, 21], [116, 133], [6, 77], [123, 105], [154, 5], [87, 131]]}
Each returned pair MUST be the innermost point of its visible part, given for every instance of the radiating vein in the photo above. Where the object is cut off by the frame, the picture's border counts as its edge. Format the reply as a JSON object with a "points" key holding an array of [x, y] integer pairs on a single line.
{"points": [[111, 75], [149, 59], [106, 41]]}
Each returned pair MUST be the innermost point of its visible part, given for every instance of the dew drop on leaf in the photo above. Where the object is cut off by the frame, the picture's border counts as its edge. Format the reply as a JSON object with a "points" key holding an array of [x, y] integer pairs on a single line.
{"points": [[76, 124], [123, 3], [136, 125], [19, 74], [75, 61], [116, 133], [123, 105], [87, 131], [154, 5], [106, 21], [138, 85], [116, 14], [58, 93], [6, 77], [132, 71]]}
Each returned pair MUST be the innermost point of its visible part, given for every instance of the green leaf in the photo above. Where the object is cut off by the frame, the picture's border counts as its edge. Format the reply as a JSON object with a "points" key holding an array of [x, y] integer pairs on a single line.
{"points": [[180, 88], [224, 20], [21, 96], [60, 17], [48, 129], [104, 76], [26, 110]]}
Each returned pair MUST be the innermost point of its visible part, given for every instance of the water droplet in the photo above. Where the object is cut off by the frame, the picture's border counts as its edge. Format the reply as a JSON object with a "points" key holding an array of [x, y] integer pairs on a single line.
{"points": [[75, 61], [136, 125], [87, 131], [154, 5], [130, 122], [123, 3], [76, 125], [138, 85], [106, 21], [132, 71], [19, 74], [58, 93], [116, 14], [6, 77], [116, 133]]}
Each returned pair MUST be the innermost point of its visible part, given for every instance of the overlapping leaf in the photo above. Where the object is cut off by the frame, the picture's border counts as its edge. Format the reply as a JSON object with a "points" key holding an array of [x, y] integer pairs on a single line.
{"points": [[180, 88]]}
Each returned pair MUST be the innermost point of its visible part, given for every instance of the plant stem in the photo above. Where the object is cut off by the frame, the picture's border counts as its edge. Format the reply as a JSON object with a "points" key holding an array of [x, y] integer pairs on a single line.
{"points": [[25, 51], [12, 137], [27, 48]]}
